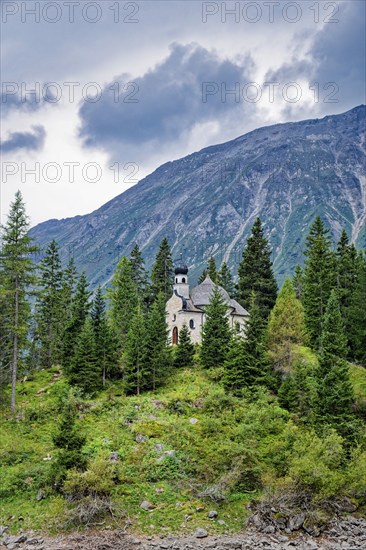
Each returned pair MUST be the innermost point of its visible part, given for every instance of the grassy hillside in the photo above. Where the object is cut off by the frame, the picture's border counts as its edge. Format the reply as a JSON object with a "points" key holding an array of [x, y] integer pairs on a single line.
{"points": [[226, 452]]}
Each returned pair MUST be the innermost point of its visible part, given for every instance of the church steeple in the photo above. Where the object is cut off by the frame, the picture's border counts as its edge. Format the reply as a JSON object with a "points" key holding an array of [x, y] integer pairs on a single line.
{"points": [[181, 285]]}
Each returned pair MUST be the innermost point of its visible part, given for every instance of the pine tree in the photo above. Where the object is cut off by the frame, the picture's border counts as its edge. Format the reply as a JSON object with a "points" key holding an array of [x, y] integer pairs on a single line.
{"points": [[298, 391], [319, 279], [286, 327], [298, 282], [139, 275], [49, 310], [216, 332], [162, 274], [255, 272], [105, 344], [136, 360], [124, 299], [184, 352], [211, 269], [202, 277], [84, 369], [357, 312], [79, 314], [157, 338], [16, 276], [335, 392], [225, 279]]}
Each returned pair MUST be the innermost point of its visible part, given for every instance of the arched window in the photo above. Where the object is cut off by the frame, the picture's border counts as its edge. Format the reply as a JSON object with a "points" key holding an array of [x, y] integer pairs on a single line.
{"points": [[191, 323], [175, 336], [176, 279], [183, 280]]}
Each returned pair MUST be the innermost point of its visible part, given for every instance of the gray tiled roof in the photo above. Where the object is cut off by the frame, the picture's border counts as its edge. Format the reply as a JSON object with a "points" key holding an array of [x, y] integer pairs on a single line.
{"points": [[201, 294], [239, 310]]}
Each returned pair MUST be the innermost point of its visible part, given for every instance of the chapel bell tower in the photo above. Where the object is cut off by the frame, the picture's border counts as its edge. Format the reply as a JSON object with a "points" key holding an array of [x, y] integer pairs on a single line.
{"points": [[181, 285]]}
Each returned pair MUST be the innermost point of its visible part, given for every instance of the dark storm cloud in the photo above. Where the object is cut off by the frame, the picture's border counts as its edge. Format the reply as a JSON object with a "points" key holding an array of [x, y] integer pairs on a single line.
{"points": [[337, 59], [24, 140], [167, 101]]}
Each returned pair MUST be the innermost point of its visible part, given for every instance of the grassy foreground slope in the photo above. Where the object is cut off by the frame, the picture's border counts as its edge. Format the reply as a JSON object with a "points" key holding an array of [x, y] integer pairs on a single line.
{"points": [[187, 448]]}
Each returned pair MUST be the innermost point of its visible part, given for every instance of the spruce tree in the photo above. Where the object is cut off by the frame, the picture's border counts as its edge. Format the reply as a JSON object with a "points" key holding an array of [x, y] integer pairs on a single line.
{"points": [[16, 276], [157, 339], [334, 389], [357, 313], [105, 344], [319, 279], [49, 308], [298, 282], [256, 274], [135, 359], [298, 392], [79, 314], [162, 274], [84, 370], [286, 327], [211, 269], [216, 333], [184, 351], [225, 279], [139, 275], [123, 296]]}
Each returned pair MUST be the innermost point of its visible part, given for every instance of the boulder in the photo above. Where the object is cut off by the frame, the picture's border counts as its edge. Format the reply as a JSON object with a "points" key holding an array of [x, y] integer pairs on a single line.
{"points": [[140, 438], [147, 506], [200, 533], [213, 514]]}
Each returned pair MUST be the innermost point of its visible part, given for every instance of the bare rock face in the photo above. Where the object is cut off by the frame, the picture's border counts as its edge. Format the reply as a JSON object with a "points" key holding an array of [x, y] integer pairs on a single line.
{"points": [[285, 174]]}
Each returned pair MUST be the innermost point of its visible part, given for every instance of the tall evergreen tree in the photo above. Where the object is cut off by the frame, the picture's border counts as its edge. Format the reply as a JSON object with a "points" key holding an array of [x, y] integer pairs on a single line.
{"points": [[335, 392], [157, 338], [162, 274], [139, 275], [49, 308], [298, 392], [319, 279], [79, 314], [298, 282], [184, 351], [357, 312], [211, 269], [124, 299], [255, 272], [84, 369], [105, 344], [216, 333], [135, 359], [286, 327], [16, 275], [225, 279]]}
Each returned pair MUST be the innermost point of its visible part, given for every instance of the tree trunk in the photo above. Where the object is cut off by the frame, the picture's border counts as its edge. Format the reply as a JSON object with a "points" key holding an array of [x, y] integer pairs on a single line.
{"points": [[15, 351]]}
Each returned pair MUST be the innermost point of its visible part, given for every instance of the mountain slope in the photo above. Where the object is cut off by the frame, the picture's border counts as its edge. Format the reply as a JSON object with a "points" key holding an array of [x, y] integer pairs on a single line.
{"points": [[206, 202]]}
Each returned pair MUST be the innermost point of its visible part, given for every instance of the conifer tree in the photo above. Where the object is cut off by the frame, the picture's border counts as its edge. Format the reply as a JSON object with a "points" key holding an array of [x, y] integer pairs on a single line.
{"points": [[211, 269], [79, 314], [256, 274], [357, 312], [335, 392], [84, 370], [124, 299], [16, 276], [162, 274], [298, 282], [225, 279], [105, 344], [216, 333], [135, 359], [298, 391], [139, 275], [319, 279], [202, 277], [184, 351], [286, 327], [157, 338], [50, 312]]}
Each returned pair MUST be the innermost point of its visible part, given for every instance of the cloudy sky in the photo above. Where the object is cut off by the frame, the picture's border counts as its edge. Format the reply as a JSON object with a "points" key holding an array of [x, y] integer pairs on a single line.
{"points": [[96, 95]]}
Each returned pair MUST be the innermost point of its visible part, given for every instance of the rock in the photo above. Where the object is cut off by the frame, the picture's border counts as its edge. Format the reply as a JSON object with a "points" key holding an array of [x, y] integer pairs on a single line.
{"points": [[213, 514], [114, 456], [140, 438], [193, 420], [295, 523], [3, 529], [200, 533], [221, 522], [40, 495], [159, 447], [166, 454], [269, 530], [200, 509], [147, 506]]}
